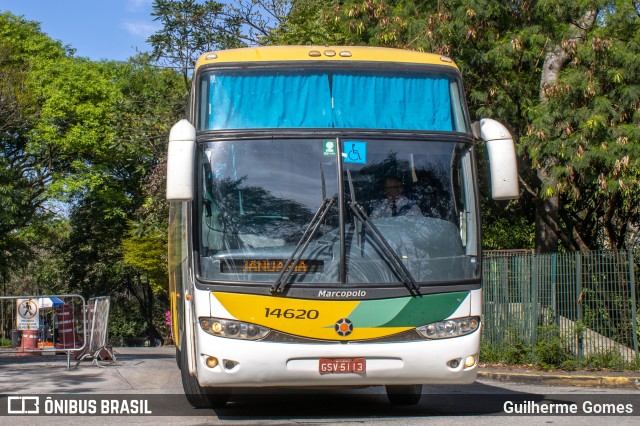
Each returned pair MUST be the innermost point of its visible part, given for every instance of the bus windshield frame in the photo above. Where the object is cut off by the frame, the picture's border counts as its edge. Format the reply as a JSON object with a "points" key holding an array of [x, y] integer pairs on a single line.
{"points": [[238, 174], [257, 198]]}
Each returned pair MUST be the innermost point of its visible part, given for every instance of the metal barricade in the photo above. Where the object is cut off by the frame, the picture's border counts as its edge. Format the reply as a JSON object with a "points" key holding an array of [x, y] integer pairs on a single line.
{"points": [[43, 325], [98, 319]]}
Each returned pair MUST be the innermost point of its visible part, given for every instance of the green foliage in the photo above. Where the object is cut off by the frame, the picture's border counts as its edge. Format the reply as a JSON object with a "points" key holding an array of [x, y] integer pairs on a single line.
{"points": [[26, 41], [44, 267], [512, 353], [23, 172], [549, 351], [190, 28], [148, 254], [517, 353], [128, 323], [118, 241], [125, 324], [504, 233], [596, 146], [602, 360], [308, 23], [577, 135], [73, 129], [255, 20], [490, 353], [83, 149]]}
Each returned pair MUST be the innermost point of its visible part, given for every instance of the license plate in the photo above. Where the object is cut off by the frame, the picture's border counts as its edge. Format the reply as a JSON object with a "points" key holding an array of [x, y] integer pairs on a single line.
{"points": [[342, 365]]}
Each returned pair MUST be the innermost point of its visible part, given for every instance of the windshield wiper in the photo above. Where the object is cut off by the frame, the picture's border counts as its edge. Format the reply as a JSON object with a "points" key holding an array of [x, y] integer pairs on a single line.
{"points": [[292, 261], [376, 236]]}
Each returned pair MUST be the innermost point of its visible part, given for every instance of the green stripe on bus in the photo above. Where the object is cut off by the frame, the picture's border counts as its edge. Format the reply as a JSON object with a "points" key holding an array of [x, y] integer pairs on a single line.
{"points": [[375, 313], [407, 311]]}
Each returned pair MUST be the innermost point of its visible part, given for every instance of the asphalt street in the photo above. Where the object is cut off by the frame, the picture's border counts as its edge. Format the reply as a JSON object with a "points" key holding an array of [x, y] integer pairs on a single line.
{"points": [[150, 376]]}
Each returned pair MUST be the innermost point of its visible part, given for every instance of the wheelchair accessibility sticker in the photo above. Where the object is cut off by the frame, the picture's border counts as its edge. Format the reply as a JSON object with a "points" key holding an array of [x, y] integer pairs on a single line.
{"points": [[354, 152]]}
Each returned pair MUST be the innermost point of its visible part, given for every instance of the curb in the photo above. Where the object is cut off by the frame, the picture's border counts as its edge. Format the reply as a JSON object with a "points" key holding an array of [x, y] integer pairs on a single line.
{"points": [[563, 380]]}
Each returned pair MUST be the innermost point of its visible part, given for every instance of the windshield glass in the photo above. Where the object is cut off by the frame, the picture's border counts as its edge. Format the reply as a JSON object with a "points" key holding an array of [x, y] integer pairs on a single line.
{"points": [[330, 98], [258, 198]]}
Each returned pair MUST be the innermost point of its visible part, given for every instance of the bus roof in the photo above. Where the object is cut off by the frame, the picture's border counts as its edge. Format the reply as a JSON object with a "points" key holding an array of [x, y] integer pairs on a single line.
{"points": [[321, 53]]}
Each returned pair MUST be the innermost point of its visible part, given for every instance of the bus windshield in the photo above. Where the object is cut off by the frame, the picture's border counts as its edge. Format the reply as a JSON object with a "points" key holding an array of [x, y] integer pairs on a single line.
{"points": [[330, 98], [259, 196]]}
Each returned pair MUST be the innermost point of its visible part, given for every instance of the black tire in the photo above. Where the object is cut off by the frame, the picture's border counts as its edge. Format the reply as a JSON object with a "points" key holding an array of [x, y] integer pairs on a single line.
{"points": [[404, 394], [178, 358], [198, 396]]}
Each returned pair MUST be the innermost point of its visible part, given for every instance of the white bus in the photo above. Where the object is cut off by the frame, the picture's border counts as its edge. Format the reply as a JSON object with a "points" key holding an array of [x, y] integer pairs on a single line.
{"points": [[324, 224]]}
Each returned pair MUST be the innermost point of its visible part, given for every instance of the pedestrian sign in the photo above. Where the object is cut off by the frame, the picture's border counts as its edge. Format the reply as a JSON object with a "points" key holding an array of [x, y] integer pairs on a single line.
{"points": [[27, 314]]}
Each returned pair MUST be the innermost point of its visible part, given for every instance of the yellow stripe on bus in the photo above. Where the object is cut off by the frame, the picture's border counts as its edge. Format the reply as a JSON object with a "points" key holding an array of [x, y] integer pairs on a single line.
{"points": [[322, 53], [314, 319]]}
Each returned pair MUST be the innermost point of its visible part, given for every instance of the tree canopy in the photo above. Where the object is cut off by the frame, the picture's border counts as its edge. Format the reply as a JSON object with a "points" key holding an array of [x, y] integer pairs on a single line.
{"points": [[192, 27], [83, 147], [562, 74]]}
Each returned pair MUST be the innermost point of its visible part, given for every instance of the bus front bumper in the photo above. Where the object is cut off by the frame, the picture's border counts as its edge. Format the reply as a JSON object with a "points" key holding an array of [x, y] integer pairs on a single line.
{"points": [[242, 363]]}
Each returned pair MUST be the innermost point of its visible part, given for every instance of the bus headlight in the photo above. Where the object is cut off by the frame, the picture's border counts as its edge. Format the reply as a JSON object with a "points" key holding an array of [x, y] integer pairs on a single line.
{"points": [[233, 329], [449, 328]]}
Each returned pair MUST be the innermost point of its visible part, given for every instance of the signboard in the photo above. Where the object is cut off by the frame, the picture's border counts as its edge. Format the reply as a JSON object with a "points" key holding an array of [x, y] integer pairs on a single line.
{"points": [[27, 317]]}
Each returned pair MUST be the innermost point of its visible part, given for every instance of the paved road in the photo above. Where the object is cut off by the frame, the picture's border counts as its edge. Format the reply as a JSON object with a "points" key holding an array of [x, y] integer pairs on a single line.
{"points": [[151, 374]]}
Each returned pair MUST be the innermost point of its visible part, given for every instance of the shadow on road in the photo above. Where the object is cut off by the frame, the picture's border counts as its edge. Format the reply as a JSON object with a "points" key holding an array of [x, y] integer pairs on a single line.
{"points": [[476, 399]]}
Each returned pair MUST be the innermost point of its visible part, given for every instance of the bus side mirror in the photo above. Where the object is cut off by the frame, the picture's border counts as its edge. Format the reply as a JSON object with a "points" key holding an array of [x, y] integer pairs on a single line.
{"points": [[180, 160], [502, 158]]}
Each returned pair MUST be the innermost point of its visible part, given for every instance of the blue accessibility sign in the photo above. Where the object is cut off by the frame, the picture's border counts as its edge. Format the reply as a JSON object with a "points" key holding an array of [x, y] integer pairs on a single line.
{"points": [[354, 152]]}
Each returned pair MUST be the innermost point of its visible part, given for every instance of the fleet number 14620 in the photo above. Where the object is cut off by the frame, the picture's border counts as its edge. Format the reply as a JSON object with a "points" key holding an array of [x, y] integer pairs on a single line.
{"points": [[292, 313]]}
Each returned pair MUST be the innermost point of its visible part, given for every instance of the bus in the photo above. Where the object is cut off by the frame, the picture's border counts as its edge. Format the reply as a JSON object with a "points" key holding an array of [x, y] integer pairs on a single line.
{"points": [[324, 223]]}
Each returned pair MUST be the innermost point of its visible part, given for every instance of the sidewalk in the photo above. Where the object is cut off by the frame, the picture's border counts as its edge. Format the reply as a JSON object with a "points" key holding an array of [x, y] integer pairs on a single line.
{"points": [[579, 378]]}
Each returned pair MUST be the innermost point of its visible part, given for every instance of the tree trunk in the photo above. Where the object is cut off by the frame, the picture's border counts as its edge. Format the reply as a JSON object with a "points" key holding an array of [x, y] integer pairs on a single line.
{"points": [[546, 239], [151, 331]]}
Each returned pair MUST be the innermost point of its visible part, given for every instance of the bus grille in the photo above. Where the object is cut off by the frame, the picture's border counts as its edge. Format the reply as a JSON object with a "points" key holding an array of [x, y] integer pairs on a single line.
{"points": [[405, 336]]}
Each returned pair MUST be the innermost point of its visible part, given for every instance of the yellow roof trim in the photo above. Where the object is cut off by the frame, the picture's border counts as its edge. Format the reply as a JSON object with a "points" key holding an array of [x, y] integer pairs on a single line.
{"points": [[321, 53]]}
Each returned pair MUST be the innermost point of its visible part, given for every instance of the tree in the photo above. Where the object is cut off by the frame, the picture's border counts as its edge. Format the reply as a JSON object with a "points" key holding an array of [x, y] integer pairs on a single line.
{"points": [[190, 28], [585, 130], [83, 147], [193, 27], [25, 169], [155, 100], [117, 244], [555, 60], [561, 74], [258, 19]]}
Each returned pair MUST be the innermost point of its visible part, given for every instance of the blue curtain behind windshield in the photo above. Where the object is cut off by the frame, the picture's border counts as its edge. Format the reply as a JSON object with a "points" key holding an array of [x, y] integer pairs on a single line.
{"points": [[263, 101], [385, 102], [368, 100]]}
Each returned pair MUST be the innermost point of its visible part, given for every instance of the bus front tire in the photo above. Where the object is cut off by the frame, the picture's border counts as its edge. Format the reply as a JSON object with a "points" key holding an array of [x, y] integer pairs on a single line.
{"points": [[198, 396], [404, 394]]}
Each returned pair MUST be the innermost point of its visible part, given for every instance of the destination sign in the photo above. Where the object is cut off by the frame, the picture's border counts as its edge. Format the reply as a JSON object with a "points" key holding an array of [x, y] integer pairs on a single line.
{"points": [[269, 266]]}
